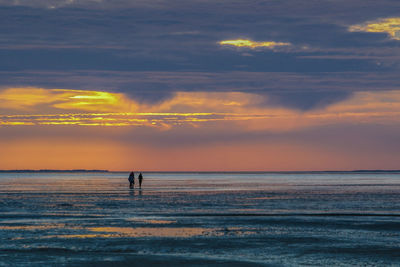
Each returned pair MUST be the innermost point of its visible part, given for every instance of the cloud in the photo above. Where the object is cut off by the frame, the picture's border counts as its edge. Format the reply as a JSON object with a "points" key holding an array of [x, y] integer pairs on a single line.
{"points": [[26, 99], [155, 69], [139, 38], [151, 49], [253, 44], [242, 112], [391, 26], [301, 91], [307, 100], [54, 4]]}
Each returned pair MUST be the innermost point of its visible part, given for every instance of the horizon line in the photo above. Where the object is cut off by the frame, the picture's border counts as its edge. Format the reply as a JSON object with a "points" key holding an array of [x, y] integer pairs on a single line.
{"points": [[159, 171]]}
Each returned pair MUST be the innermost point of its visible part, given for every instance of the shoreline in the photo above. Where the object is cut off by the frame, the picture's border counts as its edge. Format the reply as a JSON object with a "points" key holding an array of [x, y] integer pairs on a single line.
{"points": [[201, 172]]}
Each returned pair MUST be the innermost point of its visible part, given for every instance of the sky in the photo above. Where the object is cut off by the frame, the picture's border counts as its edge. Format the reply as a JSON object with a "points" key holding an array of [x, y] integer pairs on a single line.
{"points": [[200, 85]]}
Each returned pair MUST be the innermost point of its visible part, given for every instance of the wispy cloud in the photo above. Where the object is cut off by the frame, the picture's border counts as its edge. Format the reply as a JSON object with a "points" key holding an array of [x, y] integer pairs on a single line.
{"points": [[390, 26], [34, 98], [163, 121], [243, 111], [253, 44]]}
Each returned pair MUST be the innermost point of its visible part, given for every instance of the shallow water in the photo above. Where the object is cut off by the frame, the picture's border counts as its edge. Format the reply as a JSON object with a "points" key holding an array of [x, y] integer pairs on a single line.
{"points": [[94, 219]]}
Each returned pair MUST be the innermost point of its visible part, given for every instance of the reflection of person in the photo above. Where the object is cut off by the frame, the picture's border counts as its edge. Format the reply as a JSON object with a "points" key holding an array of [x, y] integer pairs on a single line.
{"points": [[131, 180], [140, 177]]}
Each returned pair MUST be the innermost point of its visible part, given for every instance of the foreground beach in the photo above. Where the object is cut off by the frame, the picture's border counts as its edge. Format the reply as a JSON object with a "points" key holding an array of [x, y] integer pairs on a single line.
{"points": [[94, 219]]}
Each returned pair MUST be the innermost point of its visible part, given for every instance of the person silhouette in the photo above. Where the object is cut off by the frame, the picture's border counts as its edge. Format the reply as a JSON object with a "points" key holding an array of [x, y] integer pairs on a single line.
{"points": [[140, 178], [131, 180]]}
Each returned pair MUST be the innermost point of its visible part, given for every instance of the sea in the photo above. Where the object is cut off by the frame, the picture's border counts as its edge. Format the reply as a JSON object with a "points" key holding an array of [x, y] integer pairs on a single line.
{"points": [[200, 219]]}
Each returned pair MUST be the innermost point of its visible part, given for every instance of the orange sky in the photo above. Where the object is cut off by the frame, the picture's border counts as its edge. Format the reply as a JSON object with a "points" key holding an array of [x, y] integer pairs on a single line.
{"points": [[196, 131]]}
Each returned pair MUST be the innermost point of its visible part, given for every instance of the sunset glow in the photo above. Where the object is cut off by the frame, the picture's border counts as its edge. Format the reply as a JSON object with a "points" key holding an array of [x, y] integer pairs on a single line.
{"points": [[199, 85], [184, 109], [213, 113], [28, 98], [390, 26], [252, 44]]}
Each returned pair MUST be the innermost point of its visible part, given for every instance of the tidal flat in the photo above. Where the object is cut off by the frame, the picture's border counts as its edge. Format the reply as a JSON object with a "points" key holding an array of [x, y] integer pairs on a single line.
{"points": [[192, 219]]}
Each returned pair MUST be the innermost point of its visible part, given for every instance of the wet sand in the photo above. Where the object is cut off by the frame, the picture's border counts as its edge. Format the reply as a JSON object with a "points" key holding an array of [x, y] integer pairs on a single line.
{"points": [[81, 219]]}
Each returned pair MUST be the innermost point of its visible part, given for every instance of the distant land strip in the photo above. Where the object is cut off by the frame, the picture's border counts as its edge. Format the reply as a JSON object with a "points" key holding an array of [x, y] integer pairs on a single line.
{"points": [[76, 170], [275, 172], [212, 172]]}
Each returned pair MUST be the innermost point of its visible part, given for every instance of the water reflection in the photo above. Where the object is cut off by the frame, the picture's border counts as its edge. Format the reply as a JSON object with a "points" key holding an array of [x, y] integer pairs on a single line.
{"points": [[260, 215], [156, 231], [32, 227], [135, 192], [151, 221], [117, 232]]}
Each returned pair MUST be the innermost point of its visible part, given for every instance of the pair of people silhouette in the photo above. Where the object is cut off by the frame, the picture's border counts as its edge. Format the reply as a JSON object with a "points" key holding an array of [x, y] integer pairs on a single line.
{"points": [[131, 180]]}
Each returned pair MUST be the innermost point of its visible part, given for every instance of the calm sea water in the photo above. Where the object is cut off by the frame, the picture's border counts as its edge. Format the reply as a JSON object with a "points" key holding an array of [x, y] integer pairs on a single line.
{"points": [[94, 219]]}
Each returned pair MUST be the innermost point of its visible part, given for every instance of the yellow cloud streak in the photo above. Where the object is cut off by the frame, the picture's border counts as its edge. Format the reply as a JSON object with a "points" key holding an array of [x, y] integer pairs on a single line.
{"points": [[29, 98], [123, 119], [195, 109], [252, 44], [388, 25]]}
